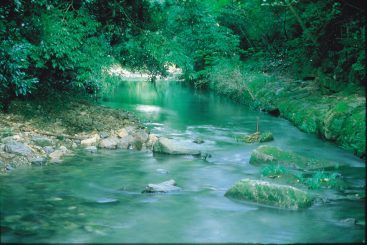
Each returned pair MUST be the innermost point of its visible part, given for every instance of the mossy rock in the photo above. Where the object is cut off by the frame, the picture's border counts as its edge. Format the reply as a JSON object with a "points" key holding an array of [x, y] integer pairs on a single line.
{"points": [[271, 154], [272, 194], [266, 137], [258, 137]]}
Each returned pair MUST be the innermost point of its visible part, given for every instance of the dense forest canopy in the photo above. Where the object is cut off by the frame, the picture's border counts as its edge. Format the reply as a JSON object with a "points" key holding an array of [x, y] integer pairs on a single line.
{"points": [[53, 45]]}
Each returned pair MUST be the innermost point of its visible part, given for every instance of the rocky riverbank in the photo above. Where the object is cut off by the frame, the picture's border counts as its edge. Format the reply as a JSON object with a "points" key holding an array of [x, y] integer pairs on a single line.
{"points": [[313, 107], [41, 132]]}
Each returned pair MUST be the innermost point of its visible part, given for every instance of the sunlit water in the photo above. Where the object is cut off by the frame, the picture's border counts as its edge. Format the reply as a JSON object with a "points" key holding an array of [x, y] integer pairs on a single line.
{"points": [[97, 197]]}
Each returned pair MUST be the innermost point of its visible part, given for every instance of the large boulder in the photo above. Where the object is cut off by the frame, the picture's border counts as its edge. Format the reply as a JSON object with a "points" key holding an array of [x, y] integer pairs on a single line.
{"points": [[90, 141], [272, 194], [18, 148], [166, 186], [56, 156], [152, 138], [109, 143], [271, 154], [168, 146], [128, 142]]}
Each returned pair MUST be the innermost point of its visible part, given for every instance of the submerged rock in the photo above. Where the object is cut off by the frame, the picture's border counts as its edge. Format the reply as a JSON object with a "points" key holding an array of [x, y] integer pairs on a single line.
{"points": [[105, 200], [166, 186], [91, 149], [271, 154], [38, 160], [263, 192], [168, 146], [162, 171], [198, 140]]}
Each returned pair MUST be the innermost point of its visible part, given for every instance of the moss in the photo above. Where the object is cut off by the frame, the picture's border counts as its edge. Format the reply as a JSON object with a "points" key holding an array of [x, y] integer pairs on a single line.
{"points": [[321, 179], [271, 154], [311, 108], [257, 137], [264, 192], [353, 133], [266, 137]]}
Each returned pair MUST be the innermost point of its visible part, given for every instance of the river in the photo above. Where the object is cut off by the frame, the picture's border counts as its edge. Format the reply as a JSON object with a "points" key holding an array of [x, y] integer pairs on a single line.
{"points": [[96, 198]]}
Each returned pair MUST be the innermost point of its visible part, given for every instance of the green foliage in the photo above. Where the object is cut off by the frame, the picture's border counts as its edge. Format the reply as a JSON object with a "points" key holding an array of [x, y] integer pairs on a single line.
{"points": [[6, 132], [322, 179], [65, 45], [200, 41], [71, 54], [15, 80], [273, 170]]}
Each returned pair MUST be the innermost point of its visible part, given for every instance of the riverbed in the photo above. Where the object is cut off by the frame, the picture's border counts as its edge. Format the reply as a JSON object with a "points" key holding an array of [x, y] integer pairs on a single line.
{"points": [[97, 197]]}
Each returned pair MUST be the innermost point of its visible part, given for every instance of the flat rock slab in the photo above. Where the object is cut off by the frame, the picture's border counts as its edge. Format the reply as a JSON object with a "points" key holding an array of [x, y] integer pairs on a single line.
{"points": [[169, 146], [272, 194], [270, 154], [166, 186], [18, 148]]}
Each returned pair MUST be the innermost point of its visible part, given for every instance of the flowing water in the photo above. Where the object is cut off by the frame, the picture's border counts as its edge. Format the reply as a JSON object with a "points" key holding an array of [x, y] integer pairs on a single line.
{"points": [[97, 197]]}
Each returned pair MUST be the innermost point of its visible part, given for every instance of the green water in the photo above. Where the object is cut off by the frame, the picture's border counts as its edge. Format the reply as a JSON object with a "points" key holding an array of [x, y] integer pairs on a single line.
{"points": [[97, 197]]}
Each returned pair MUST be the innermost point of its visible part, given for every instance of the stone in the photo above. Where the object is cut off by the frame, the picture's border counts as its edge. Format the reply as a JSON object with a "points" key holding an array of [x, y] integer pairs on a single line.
{"points": [[91, 149], [258, 137], [90, 141], [108, 143], [17, 148], [105, 200], [166, 186], [272, 194], [37, 160], [104, 135], [152, 138], [48, 149], [63, 149], [122, 133], [56, 155], [127, 142], [41, 141], [141, 135], [265, 137], [270, 154], [168, 146], [161, 171], [198, 140], [205, 155], [8, 139], [348, 221]]}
